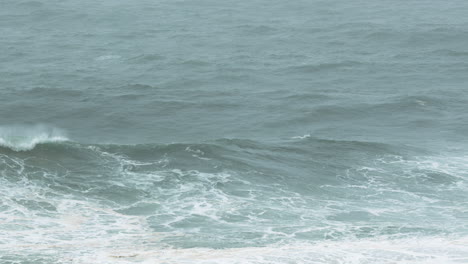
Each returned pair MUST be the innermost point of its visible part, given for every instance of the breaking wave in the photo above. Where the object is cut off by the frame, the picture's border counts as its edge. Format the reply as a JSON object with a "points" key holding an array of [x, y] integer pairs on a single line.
{"points": [[23, 138]]}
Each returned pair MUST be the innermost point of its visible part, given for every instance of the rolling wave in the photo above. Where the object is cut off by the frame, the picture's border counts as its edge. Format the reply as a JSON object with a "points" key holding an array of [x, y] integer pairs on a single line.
{"points": [[309, 194], [27, 139]]}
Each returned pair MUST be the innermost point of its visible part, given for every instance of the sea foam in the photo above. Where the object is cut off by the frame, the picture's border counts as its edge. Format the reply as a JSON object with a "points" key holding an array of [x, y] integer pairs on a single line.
{"points": [[26, 137]]}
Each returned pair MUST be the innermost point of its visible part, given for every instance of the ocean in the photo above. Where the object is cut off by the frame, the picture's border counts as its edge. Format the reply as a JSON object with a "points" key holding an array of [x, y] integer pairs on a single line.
{"points": [[253, 132]]}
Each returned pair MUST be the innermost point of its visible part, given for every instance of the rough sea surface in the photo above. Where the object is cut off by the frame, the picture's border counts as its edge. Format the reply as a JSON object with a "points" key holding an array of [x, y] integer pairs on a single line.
{"points": [[248, 132]]}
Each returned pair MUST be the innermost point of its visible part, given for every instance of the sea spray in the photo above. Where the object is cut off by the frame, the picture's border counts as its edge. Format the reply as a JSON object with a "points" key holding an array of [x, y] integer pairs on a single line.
{"points": [[26, 137]]}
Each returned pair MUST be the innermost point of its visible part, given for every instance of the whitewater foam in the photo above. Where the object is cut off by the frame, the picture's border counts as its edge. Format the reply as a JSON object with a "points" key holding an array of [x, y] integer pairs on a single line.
{"points": [[77, 216], [424, 250], [23, 138]]}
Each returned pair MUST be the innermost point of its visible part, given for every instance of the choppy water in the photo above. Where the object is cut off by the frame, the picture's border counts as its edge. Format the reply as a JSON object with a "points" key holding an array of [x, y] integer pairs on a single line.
{"points": [[233, 132]]}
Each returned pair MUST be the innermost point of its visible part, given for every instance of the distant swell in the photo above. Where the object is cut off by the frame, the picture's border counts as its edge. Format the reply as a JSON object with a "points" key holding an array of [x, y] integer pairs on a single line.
{"points": [[24, 138]]}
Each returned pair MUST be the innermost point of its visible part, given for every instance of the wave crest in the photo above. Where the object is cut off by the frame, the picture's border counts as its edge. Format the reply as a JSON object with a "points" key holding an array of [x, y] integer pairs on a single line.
{"points": [[24, 138]]}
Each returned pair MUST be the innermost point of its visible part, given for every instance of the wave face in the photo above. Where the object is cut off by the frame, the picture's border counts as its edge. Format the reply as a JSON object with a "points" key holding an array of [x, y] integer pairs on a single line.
{"points": [[23, 138]]}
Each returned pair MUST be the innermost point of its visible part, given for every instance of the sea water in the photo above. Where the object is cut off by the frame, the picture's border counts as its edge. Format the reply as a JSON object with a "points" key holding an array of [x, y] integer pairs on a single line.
{"points": [[203, 131]]}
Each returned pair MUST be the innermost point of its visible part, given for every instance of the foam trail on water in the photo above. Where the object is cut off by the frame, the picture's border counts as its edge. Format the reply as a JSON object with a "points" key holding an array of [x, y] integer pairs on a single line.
{"points": [[24, 137]]}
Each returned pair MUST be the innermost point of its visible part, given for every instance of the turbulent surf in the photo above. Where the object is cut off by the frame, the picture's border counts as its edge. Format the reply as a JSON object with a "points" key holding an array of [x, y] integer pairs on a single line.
{"points": [[232, 200], [257, 132]]}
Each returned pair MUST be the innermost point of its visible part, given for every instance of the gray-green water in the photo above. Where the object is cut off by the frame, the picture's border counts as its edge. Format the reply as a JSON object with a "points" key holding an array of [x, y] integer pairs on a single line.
{"points": [[233, 132]]}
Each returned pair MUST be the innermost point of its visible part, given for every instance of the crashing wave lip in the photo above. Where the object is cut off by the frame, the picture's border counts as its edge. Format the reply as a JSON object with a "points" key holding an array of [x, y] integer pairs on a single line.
{"points": [[26, 137], [29, 144]]}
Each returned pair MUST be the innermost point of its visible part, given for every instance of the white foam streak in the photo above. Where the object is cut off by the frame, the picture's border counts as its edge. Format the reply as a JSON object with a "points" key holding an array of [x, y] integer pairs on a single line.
{"points": [[23, 138], [301, 137]]}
